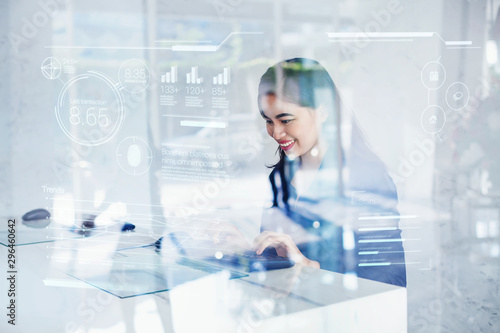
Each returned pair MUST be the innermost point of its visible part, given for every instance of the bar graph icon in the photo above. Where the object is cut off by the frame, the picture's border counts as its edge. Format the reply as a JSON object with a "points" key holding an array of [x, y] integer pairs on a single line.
{"points": [[192, 76], [170, 77], [224, 77]]}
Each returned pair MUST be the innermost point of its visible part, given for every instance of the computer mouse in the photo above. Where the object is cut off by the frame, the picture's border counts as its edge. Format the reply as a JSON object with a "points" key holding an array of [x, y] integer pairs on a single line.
{"points": [[36, 214], [128, 226]]}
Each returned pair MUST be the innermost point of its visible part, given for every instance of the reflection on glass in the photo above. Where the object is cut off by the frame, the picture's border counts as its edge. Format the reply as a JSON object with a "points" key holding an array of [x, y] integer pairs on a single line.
{"points": [[339, 207]]}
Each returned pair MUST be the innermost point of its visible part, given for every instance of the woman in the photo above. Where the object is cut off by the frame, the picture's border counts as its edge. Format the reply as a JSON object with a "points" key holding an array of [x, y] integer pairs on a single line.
{"points": [[332, 189]]}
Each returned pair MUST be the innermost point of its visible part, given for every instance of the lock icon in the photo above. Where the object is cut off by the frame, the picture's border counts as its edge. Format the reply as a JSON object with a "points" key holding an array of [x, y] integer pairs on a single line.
{"points": [[434, 76]]}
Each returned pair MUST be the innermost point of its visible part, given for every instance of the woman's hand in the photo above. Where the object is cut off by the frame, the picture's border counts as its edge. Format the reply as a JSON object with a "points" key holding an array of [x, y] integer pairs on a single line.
{"points": [[284, 245], [230, 237]]}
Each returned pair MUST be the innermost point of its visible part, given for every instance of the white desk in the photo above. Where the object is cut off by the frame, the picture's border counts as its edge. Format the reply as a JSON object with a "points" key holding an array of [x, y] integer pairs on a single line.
{"points": [[290, 300]]}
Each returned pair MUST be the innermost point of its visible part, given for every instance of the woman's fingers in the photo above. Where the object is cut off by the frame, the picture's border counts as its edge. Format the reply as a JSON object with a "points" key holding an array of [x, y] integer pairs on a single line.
{"points": [[265, 243], [260, 238], [311, 263], [228, 235], [284, 245], [272, 236], [265, 240], [282, 242]]}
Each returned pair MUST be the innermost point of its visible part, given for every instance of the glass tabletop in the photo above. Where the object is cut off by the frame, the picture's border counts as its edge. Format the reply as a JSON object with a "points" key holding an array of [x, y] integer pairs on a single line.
{"points": [[136, 272]]}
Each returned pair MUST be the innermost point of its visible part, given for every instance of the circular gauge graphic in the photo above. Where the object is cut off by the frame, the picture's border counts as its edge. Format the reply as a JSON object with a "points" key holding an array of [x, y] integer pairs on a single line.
{"points": [[134, 75], [51, 68], [134, 155], [90, 109], [433, 119], [457, 96], [433, 75]]}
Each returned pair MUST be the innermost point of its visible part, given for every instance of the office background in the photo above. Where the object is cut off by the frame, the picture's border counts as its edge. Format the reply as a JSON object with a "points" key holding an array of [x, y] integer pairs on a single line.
{"points": [[426, 97]]}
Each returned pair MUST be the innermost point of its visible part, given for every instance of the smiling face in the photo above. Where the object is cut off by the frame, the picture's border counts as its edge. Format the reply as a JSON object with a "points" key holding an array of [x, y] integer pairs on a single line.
{"points": [[295, 128]]}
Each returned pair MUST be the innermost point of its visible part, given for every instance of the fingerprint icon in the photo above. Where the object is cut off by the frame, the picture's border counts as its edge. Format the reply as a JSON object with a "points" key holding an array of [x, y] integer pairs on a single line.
{"points": [[134, 155]]}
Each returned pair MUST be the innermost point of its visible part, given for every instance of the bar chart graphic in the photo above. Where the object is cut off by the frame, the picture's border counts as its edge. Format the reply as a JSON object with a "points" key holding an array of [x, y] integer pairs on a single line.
{"points": [[223, 78], [192, 77], [170, 77]]}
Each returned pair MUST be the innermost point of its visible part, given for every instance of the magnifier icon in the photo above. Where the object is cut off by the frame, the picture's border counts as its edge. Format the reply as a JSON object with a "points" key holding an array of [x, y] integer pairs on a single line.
{"points": [[457, 96]]}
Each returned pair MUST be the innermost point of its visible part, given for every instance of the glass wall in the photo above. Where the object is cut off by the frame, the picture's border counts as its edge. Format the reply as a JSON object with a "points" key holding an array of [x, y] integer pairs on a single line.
{"points": [[355, 140]]}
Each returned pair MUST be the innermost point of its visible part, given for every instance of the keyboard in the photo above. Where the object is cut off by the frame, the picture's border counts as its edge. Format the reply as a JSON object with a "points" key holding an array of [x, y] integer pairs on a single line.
{"points": [[250, 261], [247, 261]]}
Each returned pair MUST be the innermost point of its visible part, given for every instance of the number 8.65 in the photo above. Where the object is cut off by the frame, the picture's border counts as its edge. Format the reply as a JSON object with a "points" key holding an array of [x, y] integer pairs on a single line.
{"points": [[92, 116]]}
